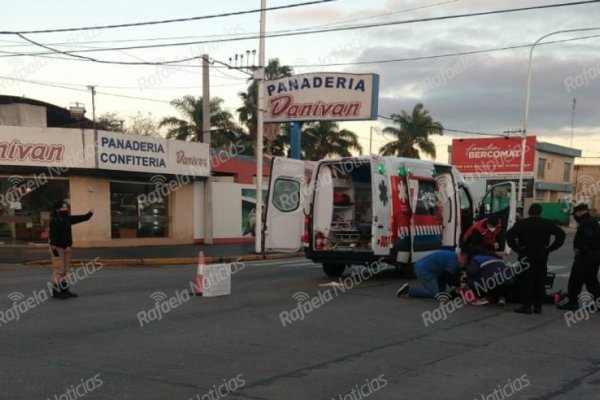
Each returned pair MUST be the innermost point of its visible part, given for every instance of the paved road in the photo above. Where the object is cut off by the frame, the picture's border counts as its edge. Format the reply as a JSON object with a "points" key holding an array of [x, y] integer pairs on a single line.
{"points": [[20, 254], [357, 338]]}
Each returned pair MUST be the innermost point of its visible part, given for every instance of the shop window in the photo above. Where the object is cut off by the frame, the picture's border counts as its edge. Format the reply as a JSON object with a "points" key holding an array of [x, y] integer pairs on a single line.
{"points": [[541, 167], [138, 210], [567, 172], [26, 206]]}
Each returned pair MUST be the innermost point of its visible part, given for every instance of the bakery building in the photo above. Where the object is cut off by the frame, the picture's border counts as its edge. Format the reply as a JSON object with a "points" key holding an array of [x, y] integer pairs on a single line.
{"points": [[143, 190]]}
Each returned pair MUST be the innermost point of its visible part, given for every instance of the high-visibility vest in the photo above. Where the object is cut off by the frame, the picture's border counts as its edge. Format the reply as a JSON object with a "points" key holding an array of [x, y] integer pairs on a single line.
{"points": [[489, 237]]}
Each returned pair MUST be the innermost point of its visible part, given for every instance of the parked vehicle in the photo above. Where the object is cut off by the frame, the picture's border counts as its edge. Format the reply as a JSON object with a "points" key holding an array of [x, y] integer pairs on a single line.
{"points": [[358, 210]]}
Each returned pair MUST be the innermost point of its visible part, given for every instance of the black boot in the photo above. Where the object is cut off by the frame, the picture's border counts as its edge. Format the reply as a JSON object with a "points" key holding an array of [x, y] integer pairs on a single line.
{"points": [[568, 306], [57, 292], [64, 286], [524, 309]]}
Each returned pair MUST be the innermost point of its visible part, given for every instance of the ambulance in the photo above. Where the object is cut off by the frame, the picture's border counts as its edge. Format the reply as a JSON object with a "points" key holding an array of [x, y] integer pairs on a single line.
{"points": [[359, 210]]}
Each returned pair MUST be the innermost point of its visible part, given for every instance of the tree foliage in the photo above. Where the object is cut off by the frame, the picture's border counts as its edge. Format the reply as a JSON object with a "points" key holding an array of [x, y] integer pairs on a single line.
{"points": [[136, 124], [189, 125], [247, 112], [412, 135], [325, 139]]}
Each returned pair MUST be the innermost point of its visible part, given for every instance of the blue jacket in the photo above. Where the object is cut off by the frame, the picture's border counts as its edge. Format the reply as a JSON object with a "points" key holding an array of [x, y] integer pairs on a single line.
{"points": [[438, 264]]}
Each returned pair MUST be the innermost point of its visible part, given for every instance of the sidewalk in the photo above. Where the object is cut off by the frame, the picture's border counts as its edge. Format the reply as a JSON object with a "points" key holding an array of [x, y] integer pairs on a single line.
{"points": [[141, 255]]}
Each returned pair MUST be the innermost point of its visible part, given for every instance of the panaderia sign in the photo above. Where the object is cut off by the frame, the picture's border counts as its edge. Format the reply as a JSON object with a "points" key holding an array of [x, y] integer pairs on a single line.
{"points": [[117, 151], [62, 149], [322, 97], [492, 155]]}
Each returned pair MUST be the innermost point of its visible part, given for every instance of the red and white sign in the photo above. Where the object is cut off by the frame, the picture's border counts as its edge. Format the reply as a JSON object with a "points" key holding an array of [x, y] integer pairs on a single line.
{"points": [[326, 96], [43, 147], [492, 155], [61, 149]]}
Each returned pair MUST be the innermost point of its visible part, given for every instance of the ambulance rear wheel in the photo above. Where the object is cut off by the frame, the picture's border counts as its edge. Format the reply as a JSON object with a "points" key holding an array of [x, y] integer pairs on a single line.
{"points": [[334, 270]]}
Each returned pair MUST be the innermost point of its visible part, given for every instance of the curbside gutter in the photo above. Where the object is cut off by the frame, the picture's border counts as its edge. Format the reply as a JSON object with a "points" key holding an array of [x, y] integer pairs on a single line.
{"points": [[160, 262]]}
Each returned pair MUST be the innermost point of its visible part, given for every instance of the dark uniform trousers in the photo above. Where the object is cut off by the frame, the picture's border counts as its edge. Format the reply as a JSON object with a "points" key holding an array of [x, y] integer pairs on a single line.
{"points": [[530, 281], [584, 272]]}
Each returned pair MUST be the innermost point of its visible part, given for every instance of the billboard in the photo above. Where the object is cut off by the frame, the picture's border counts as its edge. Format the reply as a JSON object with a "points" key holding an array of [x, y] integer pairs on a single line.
{"points": [[326, 96], [493, 155]]}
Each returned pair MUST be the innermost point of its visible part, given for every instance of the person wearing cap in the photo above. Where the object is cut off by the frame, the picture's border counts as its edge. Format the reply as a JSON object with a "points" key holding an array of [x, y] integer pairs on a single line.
{"points": [[530, 238], [61, 240], [586, 246]]}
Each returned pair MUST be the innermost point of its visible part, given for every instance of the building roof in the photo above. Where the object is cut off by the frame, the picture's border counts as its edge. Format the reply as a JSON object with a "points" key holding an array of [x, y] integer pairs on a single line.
{"points": [[557, 149], [57, 117]]}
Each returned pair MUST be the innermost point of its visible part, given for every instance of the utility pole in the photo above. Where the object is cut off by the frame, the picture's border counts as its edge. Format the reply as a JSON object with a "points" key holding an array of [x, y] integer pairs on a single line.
{"points": [[205, 100], [208, 203], [572, 120], [527, 99], [93, 90], [259, 75]]}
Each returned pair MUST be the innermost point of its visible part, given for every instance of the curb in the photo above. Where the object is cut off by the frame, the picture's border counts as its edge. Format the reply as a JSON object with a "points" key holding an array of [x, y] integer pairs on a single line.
{"points": [[160, 262]]}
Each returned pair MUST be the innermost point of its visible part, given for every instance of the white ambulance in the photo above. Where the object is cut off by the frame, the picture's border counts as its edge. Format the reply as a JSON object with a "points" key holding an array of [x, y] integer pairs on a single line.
{"points": [[357, 210]]}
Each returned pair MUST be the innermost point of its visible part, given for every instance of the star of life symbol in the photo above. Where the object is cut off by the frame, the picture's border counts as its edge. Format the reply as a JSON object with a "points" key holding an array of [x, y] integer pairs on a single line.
{"points": [[402, 194]]}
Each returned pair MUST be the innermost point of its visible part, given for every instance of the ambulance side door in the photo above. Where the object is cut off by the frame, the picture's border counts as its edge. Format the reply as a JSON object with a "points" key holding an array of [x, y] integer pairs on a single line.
{"points": [[284, 220], [381, 239]]}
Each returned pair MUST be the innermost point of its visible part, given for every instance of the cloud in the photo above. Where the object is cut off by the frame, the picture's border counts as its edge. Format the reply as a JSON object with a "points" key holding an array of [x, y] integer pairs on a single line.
{"points": [[486, 91], [299, 16]]}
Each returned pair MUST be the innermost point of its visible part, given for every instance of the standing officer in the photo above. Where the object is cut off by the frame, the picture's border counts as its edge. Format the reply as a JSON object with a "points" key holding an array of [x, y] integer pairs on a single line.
{"points": [[61, 240], [530, 237], [586, 245]]}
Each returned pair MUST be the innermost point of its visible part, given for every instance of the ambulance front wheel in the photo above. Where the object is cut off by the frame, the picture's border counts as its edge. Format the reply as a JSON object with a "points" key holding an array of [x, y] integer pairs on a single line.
{"points": [[334, 270]]}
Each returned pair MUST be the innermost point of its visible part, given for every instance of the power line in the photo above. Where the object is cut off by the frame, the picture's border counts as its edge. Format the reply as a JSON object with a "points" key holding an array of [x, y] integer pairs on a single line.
{"points": [[454, 130], [64, 86], [173, 63], [387, 14], [166, 21], [20, 44], [325, 30], [461, 53]]}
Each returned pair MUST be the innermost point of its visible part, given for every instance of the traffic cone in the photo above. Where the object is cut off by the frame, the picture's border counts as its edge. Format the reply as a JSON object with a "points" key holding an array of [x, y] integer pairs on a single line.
{"points": [[199, 285]]}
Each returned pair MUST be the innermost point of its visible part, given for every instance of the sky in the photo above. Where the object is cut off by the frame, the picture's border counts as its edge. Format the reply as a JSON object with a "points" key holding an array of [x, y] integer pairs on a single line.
{"points": [[481, 92]]}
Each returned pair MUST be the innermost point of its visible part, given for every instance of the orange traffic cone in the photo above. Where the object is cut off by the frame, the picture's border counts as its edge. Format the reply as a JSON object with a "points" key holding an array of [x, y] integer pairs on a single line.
{"points": [[199, 285]]}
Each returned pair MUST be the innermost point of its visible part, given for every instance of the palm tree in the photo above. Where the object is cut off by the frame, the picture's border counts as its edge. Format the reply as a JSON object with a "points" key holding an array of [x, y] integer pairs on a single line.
{"points": [[324, 138], [414, 131], [190, 126], [247, 112]]}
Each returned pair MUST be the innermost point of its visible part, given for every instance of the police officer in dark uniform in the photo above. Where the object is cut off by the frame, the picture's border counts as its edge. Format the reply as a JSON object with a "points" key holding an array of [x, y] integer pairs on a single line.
{"points": [[586, 245], [60, 242], [530, 238]]}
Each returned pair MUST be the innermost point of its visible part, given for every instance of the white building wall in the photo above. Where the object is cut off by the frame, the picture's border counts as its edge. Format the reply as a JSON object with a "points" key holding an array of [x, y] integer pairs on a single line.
{"points": [[227, 210], [198, 207]]}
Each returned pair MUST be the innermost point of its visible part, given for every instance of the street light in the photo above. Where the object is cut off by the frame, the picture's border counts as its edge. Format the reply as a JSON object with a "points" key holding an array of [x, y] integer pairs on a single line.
{"points": [[259, 75], [524, 135]]}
